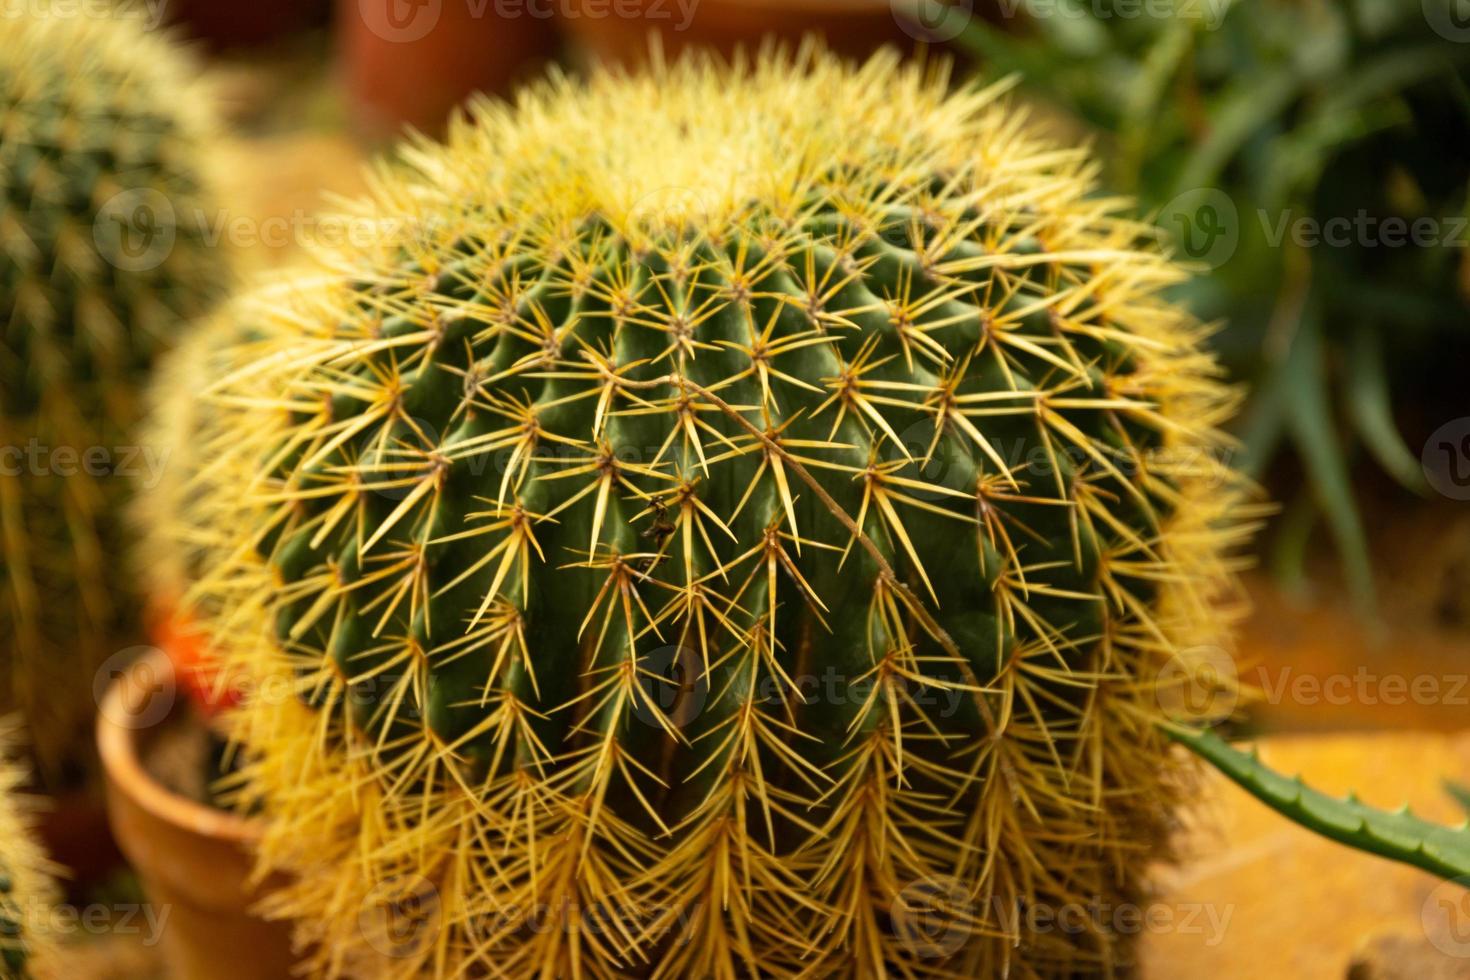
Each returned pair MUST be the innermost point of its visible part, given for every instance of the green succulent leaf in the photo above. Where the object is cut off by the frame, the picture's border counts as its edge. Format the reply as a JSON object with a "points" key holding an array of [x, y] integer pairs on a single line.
{"points": [[1372, 411], [1309, 417], [1395, 834], [1460, 792], [1299, 115]]}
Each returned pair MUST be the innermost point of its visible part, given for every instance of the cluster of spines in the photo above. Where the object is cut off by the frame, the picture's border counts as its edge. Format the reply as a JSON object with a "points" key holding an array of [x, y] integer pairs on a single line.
{"points": [[775, 434], [104, 197]]}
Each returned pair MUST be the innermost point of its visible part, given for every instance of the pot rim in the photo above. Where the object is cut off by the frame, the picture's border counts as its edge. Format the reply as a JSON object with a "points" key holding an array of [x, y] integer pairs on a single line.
{"points": [[118, 745]]}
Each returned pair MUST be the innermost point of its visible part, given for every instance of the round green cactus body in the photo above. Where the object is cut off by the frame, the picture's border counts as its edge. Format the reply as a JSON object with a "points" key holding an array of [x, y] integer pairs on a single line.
{"points": [[730, 521], [103, 228]]}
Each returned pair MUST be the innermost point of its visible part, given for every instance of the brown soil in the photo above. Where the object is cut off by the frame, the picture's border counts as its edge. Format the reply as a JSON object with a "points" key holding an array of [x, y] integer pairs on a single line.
{"points": [[179, 756]]}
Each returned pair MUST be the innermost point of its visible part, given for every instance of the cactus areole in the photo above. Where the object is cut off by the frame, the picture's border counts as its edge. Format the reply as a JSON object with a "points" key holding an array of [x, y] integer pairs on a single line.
{"points": [[731, 521]]}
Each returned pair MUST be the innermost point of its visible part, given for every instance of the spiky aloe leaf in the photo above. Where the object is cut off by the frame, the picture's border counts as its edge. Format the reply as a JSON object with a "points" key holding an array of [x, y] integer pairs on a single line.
{"points": [[1460, 792], [1397, 835], [105, 196], [745, 511]]}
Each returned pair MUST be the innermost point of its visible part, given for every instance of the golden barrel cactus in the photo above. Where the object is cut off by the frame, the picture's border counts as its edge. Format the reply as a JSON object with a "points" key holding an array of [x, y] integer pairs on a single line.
{"points": [[733, 521]]}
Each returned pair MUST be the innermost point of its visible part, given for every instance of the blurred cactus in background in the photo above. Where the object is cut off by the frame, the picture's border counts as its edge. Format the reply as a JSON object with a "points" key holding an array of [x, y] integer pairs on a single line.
{"points": [[27, 885], [105, 139], [184, 516], [188, 515], [728, 519]]}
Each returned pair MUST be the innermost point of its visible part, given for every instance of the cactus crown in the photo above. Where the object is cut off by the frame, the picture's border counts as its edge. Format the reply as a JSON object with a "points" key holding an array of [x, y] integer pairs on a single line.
{"points": [[736, 510], [103, 135]]}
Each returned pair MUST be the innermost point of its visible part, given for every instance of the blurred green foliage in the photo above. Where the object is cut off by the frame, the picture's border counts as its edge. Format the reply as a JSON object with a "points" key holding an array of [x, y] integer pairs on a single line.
{"points": [[1289, 148]]}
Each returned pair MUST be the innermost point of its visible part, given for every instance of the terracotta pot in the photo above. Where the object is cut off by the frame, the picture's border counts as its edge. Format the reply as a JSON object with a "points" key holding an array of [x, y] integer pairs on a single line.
{"points": [[193, 860], [618, 31], [409, 62]]}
